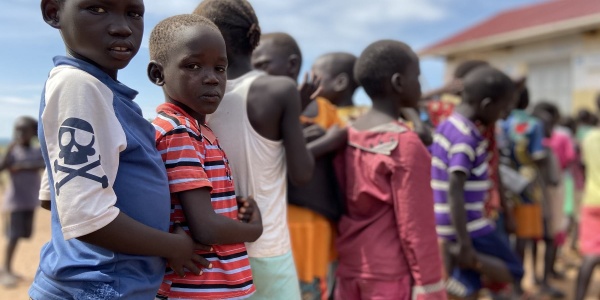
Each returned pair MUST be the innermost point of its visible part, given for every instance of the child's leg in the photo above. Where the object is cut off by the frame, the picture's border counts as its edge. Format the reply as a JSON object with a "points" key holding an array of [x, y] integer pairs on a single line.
{"points": [[585, 274], [19, 226]]}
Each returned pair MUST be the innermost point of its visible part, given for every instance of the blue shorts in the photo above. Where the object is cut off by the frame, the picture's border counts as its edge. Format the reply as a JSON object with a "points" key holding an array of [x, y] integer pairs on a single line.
{"points": [[466, 282]]}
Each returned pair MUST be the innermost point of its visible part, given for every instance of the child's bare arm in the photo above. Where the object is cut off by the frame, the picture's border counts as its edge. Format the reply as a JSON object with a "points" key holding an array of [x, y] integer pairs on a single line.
{"points": [[210, 228], [5, 161], [458, 215], [300, 162], [126, 235], [333, 140]]}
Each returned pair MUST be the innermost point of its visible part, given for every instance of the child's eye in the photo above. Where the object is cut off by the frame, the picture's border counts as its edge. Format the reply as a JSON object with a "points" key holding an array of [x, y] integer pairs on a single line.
{"points": [[136, 15], [221, 69], [193, 67], [98, 10]]}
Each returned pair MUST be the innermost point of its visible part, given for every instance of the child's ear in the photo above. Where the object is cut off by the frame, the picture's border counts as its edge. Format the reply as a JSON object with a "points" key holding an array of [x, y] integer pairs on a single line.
{"points": [[397, 82], [294, 64], [155, 73], [485, 102], [341, 82], [50, 12]]}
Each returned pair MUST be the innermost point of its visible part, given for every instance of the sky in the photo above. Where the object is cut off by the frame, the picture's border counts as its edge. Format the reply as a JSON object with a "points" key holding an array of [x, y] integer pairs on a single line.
{"points": [[29, 44]]}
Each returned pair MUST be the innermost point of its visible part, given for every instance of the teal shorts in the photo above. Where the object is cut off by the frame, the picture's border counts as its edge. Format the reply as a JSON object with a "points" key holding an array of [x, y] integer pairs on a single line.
{"points": [[275, 278]]}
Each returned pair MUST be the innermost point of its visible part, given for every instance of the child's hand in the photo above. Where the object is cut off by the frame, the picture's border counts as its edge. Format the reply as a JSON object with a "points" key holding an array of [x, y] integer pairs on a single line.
{"points": [[309, 88], [183, 256], [245, 211], [248, 210], [467, 258]]}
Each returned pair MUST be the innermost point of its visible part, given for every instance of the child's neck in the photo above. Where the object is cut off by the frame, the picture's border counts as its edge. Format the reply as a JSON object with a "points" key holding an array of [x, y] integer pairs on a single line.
{"points": [[238, 65], [344, 100], [467, 111], [201, 118], [382, 112]]}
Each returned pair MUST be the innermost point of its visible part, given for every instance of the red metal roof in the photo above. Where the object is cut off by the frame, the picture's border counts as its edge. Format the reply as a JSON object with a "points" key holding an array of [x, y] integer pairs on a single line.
{"points": [[522, 18]]}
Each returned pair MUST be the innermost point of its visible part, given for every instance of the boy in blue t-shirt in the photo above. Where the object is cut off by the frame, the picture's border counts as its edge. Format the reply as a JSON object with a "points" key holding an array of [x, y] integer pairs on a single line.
{"points": [[107, 182]]}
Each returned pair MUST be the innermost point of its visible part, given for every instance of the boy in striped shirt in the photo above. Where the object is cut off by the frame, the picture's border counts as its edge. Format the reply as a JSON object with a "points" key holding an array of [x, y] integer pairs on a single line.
{"points": [[460, 181], [189, 62]]}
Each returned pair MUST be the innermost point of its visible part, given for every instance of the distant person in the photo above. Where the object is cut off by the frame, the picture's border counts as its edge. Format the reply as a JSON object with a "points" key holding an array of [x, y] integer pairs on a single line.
{"points": [[189, 62], [387, 243], [108, 187], [589, 239], [24, 162], [460, 181], [258, 124], [313, 208]]}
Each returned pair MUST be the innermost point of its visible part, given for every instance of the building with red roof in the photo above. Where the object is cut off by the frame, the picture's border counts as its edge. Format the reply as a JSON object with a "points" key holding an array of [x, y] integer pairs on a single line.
{"points": [[556, 44]]}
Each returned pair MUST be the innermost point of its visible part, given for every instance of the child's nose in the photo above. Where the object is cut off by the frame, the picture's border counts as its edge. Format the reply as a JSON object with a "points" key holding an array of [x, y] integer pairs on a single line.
{"points": [[119, 27]]}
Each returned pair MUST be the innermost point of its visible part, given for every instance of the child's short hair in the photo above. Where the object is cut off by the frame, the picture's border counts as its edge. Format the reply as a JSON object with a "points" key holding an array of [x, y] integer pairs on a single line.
{"points": [[379, 62], [28, 120], [163, 36], [467, 66], [284, 41], [237, 21], [486, 82]]}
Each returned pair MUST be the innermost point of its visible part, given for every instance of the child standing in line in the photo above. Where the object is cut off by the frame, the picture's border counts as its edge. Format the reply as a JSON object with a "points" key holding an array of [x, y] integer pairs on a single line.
{"points": [[258, 123], [107, 183], [314, 207], [460, 181], [24, 162], [387, 243], [189, 62]]}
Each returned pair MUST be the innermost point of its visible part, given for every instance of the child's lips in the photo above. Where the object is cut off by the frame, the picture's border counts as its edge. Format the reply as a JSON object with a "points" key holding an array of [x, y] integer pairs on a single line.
{"points": [[211, 97], [121, 53]]}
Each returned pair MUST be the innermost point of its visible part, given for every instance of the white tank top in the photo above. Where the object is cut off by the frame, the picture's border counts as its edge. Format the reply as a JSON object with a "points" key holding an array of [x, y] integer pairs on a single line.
{"points": [[258, 166]]}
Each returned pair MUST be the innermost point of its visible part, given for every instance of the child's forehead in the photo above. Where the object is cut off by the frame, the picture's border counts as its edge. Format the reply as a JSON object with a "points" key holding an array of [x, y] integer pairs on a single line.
{"points": [[138, 4]]}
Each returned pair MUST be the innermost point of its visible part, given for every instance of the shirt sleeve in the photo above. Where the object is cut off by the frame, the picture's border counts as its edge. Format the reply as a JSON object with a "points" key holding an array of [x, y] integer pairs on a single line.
{"points": [[536, 145], [44, 194], [461, 156], [184, 161], [413, 207], [84, 140]]}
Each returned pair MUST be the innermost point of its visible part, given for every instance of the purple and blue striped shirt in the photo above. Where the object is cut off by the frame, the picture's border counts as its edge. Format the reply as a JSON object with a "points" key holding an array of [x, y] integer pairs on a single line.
{"points": [[460, 147]]}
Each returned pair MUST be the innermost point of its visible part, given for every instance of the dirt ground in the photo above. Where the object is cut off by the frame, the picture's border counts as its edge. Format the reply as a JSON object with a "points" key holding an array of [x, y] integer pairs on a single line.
{"points": [[27, 259]]}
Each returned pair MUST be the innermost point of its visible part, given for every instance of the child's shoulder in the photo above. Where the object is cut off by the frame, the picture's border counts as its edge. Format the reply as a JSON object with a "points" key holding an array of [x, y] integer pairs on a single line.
{"points": [[171, 122], [71, 76]]}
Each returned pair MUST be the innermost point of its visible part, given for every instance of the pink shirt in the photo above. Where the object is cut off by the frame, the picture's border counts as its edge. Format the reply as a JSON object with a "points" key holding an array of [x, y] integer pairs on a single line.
{"points": [[563, 147], [388, 232]]}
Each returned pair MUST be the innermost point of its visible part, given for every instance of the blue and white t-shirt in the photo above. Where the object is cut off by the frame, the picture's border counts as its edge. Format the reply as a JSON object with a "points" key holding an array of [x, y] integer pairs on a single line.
{"points": [[101, 159]]}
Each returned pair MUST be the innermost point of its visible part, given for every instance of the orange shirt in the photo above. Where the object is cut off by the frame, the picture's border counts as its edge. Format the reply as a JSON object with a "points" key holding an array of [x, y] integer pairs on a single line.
{"points": [[327, 115]]}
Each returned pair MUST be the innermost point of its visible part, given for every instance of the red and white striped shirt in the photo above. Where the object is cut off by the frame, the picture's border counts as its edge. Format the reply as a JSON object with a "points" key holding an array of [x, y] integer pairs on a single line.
{"points": [[194, 161]]}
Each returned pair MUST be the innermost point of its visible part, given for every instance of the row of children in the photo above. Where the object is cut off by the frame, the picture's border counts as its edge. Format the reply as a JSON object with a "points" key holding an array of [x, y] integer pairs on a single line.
{"points": [[537, 180], [110, 174], [222, 149]]}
